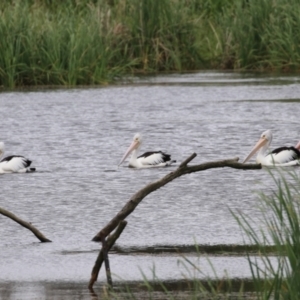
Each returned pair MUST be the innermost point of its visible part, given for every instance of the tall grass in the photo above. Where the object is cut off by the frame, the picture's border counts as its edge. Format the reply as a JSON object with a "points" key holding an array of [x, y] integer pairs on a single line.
{"points": [[280, 227], [40, 47], [262, 34], [75, 42], [91, 42]]}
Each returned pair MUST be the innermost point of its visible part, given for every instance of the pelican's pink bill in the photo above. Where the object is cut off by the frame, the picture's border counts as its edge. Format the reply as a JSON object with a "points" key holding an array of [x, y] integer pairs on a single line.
{"points": [[133, 146], [260, 143]]}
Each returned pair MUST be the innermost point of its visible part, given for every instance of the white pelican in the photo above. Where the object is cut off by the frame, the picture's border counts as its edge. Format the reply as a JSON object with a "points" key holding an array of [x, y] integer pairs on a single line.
{"points": [[14, 163], [283, 156], [148, 159]]}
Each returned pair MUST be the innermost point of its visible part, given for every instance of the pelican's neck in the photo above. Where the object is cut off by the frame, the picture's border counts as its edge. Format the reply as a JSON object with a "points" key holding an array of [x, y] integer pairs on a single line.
{"points": [[1, 151], [133, 159], [261, 155], [133, 155]]}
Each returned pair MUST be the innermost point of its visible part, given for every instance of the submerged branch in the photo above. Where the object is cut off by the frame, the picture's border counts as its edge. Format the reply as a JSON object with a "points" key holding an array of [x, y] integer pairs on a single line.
{"points": [[109, 243], [181, 170], [25, 224]]}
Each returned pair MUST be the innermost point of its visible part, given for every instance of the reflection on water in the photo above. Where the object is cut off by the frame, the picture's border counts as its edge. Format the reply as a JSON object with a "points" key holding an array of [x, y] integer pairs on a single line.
{"points": [[179, 289], [76, 137]]}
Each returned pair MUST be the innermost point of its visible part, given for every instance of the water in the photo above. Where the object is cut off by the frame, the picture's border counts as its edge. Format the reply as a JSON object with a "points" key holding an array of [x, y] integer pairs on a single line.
{"points": [[76, 138]]}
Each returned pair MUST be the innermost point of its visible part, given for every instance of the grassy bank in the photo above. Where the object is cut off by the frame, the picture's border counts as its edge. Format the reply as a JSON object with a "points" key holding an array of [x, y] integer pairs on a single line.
{"points": [[92, 42]]}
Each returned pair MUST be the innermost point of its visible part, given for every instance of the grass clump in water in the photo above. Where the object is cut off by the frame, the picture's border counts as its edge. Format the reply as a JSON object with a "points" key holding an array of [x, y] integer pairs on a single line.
{"points": [[281, 221]]}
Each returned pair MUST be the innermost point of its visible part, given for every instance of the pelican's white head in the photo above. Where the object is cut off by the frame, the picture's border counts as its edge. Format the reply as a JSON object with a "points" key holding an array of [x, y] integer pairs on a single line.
{"points": [[135, 145], [264, 141], [138, 138], [267, 135], [2, 149]]}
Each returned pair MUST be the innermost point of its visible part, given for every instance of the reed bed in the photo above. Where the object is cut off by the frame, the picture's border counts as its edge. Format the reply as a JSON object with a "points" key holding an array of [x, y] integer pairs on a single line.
{"points": [[81, 42], [280, 227], [262, 35]]}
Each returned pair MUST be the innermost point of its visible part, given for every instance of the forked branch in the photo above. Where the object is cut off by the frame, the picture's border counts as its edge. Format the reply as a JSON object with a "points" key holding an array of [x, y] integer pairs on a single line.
{"points": [[110, 242]]}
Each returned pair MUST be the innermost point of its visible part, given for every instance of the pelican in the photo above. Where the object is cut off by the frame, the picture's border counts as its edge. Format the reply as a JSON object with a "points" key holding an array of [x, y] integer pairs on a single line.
{"points": [[148, 159], [14, 163], [283, 156]]}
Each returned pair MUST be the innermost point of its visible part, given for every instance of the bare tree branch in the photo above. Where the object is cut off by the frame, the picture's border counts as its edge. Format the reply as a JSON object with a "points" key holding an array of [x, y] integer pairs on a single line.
{"points": [[110, 242], [185, 162], [106, 262], [181, 170], [25, 224]]}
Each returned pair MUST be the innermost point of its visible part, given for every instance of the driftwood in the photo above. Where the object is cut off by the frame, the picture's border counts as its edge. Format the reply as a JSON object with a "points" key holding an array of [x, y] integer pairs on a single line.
{"points": [[25, 224], [183, 169], [101, 256], [130, 206]]}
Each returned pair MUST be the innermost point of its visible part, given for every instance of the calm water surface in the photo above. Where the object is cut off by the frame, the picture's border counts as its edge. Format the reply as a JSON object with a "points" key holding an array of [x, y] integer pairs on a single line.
{"points": [[76, 138]]}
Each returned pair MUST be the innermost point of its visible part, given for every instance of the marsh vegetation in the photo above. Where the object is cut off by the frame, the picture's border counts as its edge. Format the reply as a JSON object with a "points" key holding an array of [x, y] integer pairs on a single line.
{"points": [[98, 41]]}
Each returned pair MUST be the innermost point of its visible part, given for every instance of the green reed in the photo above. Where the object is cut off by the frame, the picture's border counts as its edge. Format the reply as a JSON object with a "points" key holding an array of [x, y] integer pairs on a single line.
{"points": [[76, 42], [58, 48], [280, 226], [262, 34], [91, 42]]}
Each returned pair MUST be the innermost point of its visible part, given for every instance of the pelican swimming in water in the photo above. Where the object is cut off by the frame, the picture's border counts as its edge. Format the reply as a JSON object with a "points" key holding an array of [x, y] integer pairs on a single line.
{"points": [[14, 163], [283, 156], [148, 159]]}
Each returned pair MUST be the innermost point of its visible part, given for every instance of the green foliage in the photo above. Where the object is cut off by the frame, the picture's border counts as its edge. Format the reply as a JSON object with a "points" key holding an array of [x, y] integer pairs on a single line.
{"points": [[41, 47], [162, 35], [92, 42], [262, 34], [75, 42], [280, 227]]}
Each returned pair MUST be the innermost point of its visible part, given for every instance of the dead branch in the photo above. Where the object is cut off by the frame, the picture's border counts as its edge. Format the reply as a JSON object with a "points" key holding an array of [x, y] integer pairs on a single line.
{"points": [[109, 243], [25, 224], [183, 169], [106, 262], [185, 162]]}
